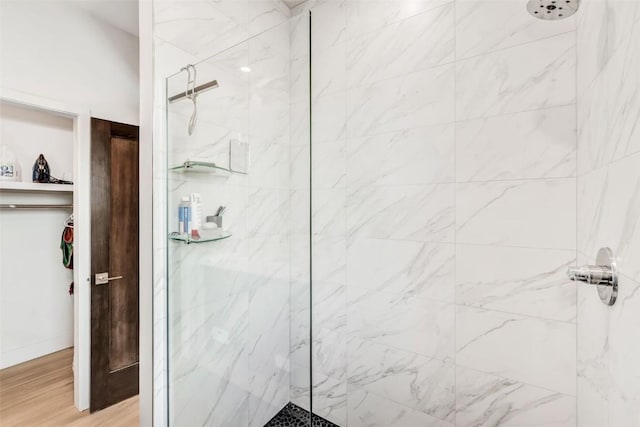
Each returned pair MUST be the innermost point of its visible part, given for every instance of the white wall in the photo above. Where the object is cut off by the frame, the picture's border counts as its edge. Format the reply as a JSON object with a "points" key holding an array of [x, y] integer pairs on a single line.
{"points": [[58, 54], [58, 51]]}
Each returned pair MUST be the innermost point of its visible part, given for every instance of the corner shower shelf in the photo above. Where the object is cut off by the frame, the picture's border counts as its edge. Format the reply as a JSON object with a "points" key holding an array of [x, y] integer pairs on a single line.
{"points": [[203, 167], [206, 236]]}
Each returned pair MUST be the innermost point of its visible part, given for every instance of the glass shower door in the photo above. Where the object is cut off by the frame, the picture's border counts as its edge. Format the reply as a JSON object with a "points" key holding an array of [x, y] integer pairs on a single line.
{"points": [[238, 288]]}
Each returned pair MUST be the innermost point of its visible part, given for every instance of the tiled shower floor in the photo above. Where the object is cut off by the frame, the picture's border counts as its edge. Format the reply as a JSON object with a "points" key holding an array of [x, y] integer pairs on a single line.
{"points": [[294, 416]]}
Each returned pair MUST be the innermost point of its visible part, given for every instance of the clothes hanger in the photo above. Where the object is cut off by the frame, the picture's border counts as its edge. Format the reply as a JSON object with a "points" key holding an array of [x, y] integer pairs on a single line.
{"points": [[69, 221]]}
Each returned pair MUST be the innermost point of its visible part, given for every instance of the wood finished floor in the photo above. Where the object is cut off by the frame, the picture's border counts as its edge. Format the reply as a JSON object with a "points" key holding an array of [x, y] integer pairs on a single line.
{"points": [[40, 393]]}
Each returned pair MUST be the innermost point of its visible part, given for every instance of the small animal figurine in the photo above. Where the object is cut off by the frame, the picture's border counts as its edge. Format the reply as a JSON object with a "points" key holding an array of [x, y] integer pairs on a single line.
{"points": [[41, 170]]}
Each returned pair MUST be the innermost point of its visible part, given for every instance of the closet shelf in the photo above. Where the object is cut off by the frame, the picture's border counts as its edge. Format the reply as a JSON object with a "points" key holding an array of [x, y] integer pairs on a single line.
{"points": [[206, 236], [33, 187], [203, 167]]}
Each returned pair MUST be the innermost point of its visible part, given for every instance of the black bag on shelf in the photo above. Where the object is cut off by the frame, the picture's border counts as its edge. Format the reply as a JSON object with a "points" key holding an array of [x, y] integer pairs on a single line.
{"points": [[41, 171]]}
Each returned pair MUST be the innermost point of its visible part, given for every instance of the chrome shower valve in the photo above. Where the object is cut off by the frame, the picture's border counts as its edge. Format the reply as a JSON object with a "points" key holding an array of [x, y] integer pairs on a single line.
{"points": [[604, 275]]}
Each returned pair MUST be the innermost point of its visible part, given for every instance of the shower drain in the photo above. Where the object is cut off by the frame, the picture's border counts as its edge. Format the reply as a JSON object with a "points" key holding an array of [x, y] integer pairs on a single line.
{"points": [[552, 10]]}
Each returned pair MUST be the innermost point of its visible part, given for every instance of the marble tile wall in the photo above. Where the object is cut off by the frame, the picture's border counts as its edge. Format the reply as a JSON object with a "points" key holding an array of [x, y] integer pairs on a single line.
{"points": [[464, 154], [228, 310], [608, 198], [444, 213]]}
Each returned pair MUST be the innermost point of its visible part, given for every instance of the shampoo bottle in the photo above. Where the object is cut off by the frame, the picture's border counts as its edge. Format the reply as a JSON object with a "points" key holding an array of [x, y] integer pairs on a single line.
{"points": [[196, 214], [184, 216]]}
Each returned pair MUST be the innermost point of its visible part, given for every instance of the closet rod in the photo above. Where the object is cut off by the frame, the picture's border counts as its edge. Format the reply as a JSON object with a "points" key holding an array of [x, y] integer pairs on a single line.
{"points": [[19, 206]]}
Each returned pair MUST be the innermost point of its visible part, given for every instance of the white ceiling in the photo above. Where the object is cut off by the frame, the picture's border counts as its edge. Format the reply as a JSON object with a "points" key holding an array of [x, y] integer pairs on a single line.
{"points": [[293, 3], [122, 14]]}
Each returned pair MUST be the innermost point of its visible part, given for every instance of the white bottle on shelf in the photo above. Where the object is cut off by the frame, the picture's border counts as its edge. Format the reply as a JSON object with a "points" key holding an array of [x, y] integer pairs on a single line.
{"points": [[196, 213], [8, 165]]}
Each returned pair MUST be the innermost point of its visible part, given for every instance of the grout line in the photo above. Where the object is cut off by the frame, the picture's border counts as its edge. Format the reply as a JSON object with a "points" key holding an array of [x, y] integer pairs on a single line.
{"points": [[547, 38], [455, 216], [443, 124], [576, 159]]}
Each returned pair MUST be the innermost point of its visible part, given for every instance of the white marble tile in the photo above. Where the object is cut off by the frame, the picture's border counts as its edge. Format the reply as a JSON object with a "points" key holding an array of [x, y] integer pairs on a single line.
{"points": [[592, 357], [269, 110], [198, 276], [299, 34], [415, 156], [531, 282], [300, 167], [414, 100], [409, 379], [265, 14], [623, 18], [209, 354], [369, 410], [268, 211], [608, 206], [300, 259], [196, 27], [593, 49], [484, 26], [300, 123], [538, 214], [487, 400], [403, 268], [300, 386], [329, 70], [534, 351], [300, 327], [330, 398], [268, 330], [391, 212], [269, 394], [269, 164], [299, 202], [328, 24], [624, 393], [365, 16], [623, 94], [534, 144], [329, 165], [418, 43], [404, 323], [528, 77], [329, 259], [329, 118], [329, 344], [329, 212], [593, 127]]}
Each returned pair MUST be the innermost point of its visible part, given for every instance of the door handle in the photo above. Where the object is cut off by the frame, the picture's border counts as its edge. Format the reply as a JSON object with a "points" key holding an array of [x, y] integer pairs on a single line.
{"points": [[103, 278]]}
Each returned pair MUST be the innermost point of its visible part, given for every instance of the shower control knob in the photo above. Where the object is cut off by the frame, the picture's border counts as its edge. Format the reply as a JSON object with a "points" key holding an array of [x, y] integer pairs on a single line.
{"points": [[591, 274], [604, 274]]}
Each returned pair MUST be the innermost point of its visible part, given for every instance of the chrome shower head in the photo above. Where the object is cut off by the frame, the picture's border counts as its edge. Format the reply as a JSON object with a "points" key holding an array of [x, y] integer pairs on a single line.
{"points": [[552, 10]]}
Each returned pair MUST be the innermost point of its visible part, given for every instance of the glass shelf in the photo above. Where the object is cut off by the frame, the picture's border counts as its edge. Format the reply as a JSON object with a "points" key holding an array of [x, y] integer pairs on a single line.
{"points": [[206, 236], [203, 167]]}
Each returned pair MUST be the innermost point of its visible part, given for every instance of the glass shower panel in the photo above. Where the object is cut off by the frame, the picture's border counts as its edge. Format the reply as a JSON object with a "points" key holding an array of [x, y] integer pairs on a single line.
{"points": [[237, 289]]}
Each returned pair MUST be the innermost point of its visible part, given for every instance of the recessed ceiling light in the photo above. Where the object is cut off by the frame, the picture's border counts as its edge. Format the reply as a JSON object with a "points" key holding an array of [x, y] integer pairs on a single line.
{"points": [[245, 69]]}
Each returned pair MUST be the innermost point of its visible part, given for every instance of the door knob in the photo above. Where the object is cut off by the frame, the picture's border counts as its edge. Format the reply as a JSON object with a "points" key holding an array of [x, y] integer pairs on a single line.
{"points": [[604, 275], [103, 278]]}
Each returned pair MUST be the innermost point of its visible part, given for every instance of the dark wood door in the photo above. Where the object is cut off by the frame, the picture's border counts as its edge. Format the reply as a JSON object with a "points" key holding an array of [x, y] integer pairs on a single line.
{"points": [[114, 251]]}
